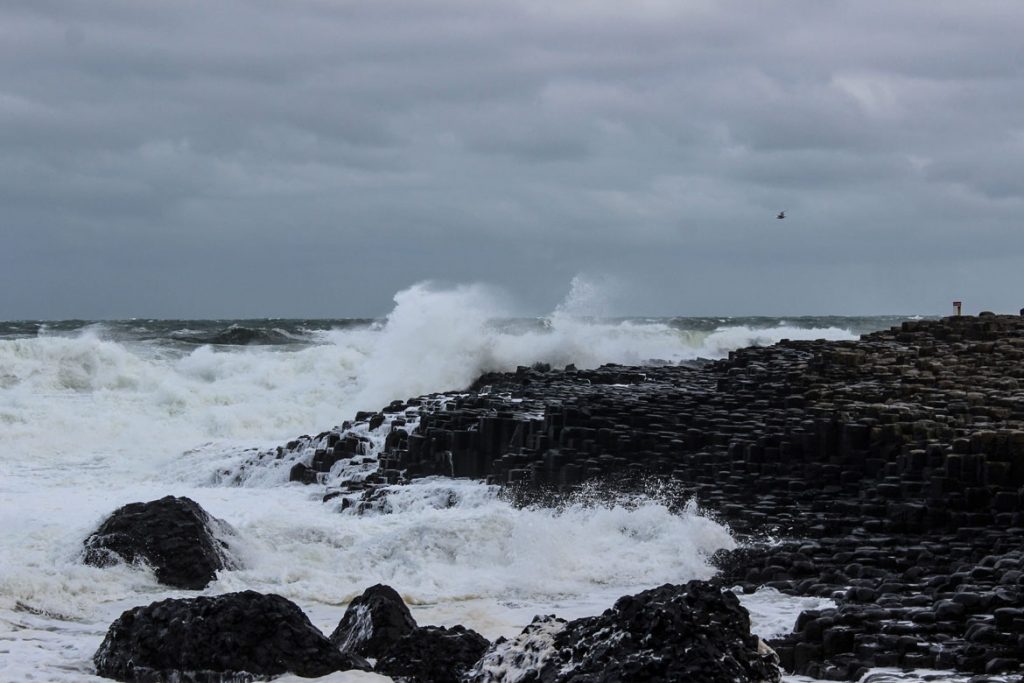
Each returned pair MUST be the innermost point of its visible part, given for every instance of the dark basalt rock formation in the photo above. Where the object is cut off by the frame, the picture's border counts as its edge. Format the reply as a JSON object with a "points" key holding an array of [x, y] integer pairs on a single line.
{"points": [[892, 467], [433, 654], [235, 637], [695, 632], [918, 602], [183, 544], [373, 622]]}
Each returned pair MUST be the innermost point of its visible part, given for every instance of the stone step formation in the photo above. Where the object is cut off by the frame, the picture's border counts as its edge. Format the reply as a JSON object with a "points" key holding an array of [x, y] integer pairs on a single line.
{"points": [[892, 465]]}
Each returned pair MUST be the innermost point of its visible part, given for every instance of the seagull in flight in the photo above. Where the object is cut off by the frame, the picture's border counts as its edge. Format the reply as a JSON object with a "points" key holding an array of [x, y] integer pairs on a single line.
{"points": [[782, 214]]}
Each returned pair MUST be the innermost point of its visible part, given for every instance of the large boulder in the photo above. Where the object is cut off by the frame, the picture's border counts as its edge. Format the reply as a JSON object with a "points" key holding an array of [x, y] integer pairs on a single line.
{"points": [[694, 632], [433, 654], [183, 544], [373, 622], [236, 637]]}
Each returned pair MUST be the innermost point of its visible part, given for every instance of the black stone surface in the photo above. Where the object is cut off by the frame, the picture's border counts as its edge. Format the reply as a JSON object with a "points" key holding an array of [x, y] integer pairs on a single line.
{"points": [[236, 637], [433, 654], [183, 544], [695, 632]]}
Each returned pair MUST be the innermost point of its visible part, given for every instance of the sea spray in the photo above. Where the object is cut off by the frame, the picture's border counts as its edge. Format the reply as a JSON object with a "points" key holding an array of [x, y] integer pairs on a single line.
{"points": [[433, 340]]}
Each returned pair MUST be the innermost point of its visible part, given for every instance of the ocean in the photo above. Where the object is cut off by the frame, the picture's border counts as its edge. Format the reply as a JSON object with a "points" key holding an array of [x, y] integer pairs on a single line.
{"points": [[98, 414]]}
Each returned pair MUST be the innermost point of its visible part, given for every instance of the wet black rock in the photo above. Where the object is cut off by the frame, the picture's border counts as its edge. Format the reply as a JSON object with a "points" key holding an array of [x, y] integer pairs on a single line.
{"points": [[302, 474], [433, 654], [695, 632], [184, 545], [373, 622], [236, 637]]}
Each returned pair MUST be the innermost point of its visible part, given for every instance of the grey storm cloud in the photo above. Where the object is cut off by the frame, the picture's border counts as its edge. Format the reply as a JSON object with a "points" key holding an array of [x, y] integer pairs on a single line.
{"points": [[312, 157]]}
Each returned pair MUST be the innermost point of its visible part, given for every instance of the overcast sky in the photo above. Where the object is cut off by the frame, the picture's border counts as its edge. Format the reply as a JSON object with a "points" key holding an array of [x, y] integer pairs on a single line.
{"points": [[311, 158]]}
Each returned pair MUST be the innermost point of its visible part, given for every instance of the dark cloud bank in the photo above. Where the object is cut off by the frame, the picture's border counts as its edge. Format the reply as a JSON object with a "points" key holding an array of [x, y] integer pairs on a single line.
{"points": [[310, 158]]}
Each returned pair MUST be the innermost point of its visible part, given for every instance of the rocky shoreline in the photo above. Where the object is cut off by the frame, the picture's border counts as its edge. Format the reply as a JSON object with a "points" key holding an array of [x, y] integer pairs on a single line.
{"points": [[891, 468]]}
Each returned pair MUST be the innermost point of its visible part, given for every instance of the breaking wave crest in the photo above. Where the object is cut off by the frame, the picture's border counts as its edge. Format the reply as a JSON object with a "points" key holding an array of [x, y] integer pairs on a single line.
{"points": [[108, 396]]}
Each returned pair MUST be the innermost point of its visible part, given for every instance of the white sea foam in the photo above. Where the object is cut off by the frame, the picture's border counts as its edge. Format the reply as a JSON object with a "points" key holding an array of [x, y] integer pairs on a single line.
{"points": [[772, 613], [481, 553], [725, 339]]}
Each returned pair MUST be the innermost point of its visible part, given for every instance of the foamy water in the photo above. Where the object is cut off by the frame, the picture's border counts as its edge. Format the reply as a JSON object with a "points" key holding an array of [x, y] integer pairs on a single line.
{"points": [[92, 418]]}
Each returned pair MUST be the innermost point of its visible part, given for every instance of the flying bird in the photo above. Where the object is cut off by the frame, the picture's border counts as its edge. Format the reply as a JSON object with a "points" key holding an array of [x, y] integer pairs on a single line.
{"points": [[782, 214]]}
